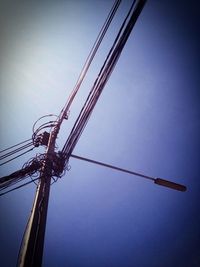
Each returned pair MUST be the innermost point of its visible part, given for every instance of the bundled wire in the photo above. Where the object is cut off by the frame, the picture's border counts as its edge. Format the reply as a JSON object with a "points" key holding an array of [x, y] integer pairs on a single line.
{"points": [[33, 169], [17, 156], [28, 170], [17, 187], [6, 149], [46, 125], [35, 141], [65, 111], [102, 78], [15, 149]]}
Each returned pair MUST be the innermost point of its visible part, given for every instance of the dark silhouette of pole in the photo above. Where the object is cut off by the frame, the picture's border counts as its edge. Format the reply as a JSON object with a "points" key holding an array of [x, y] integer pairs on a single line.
{"points": [[31, 250]]}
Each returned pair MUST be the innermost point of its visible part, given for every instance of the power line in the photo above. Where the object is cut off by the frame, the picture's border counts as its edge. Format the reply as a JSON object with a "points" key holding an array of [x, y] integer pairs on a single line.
{"points": [[20, 186], [16, 150], [64, 112], [17, 156], [15, 145], [29, 169], [102, 77]]}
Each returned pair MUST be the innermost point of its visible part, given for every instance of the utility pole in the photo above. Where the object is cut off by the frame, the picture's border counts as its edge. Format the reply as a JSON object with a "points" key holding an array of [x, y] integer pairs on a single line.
{"points": [[33, 241], [31, 250], [52, 164]]}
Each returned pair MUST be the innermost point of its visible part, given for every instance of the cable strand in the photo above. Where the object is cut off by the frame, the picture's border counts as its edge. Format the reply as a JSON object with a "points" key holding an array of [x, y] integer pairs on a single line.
{"points": [[17, 156], [15, 145]]}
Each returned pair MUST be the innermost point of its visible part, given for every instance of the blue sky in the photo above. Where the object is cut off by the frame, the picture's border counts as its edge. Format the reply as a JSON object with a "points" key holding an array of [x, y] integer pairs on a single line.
{"points": [[147, 120]]}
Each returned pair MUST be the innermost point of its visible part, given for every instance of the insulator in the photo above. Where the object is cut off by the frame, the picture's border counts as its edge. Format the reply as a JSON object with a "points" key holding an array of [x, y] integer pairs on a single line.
{"points": [[42, 139]]}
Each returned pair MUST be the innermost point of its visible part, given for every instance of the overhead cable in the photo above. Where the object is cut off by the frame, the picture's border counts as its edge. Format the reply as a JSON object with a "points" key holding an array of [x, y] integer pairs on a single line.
{"points": [[64, 113], [16, 150], [17, 156], [20, 186], [102, 78], [15, 145], [30, 168]]}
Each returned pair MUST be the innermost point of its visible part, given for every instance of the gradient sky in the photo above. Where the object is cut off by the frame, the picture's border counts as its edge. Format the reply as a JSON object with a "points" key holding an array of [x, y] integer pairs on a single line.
{"points": [[147, 120]]}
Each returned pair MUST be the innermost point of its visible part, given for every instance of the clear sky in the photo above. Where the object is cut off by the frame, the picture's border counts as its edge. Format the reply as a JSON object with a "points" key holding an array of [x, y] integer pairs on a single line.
{"points": [[147, 120]]}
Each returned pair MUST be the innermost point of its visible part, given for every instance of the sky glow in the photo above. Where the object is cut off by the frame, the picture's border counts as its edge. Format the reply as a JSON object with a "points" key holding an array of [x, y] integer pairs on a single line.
{"points": [[147, 120]]}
